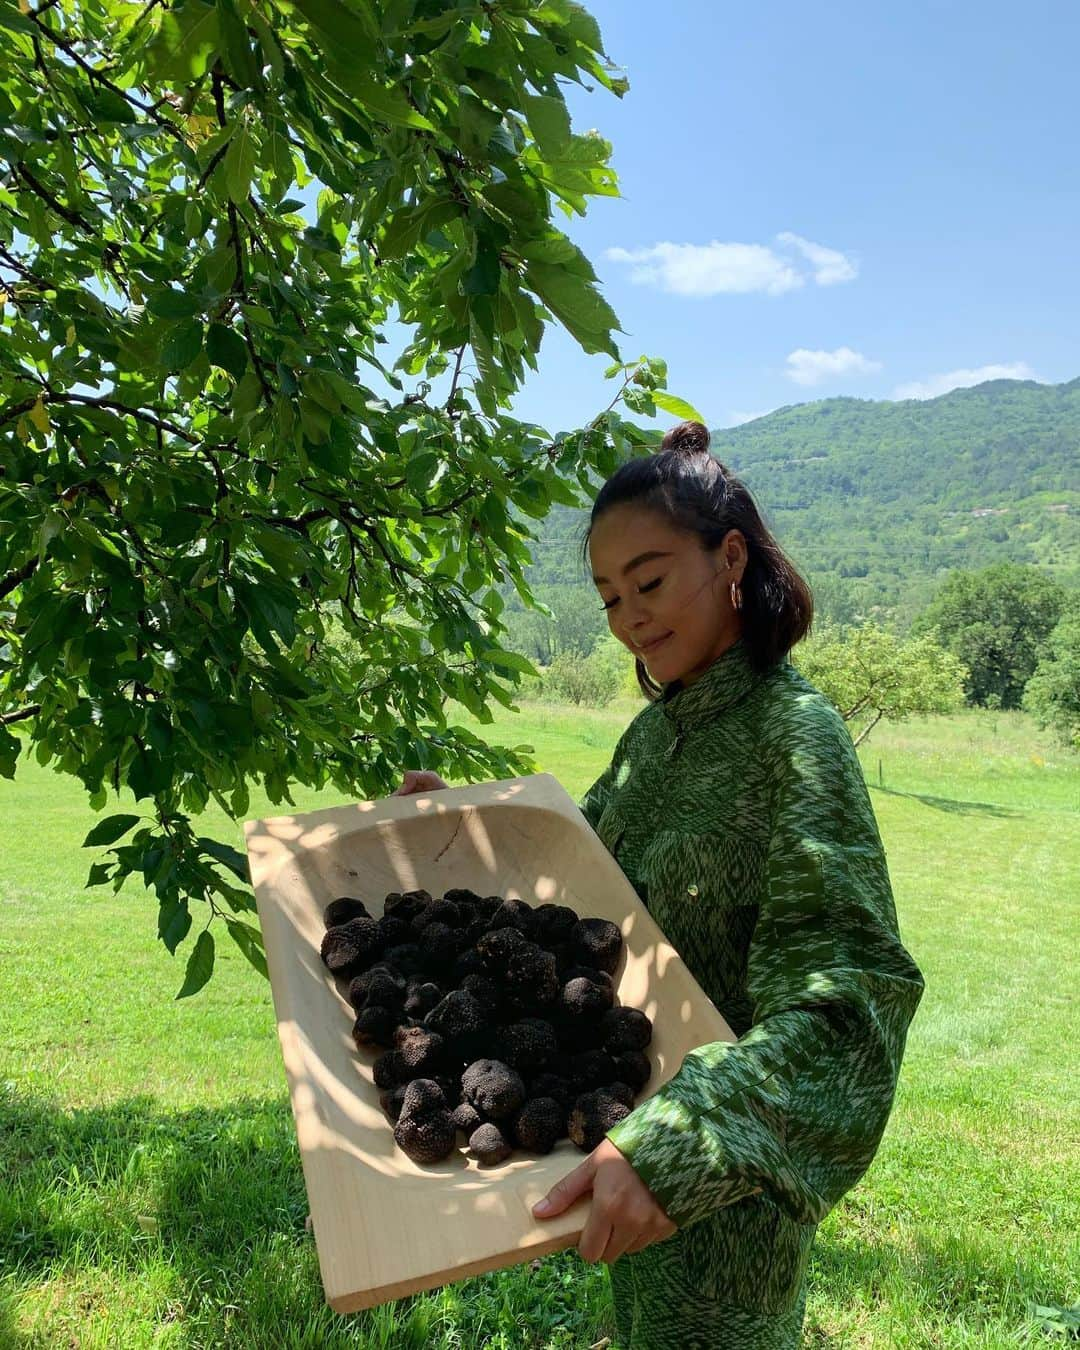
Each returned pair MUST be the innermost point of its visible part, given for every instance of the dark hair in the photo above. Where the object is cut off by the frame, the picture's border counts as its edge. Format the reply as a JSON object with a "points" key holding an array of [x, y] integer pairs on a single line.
{"points": [[695, 493]]}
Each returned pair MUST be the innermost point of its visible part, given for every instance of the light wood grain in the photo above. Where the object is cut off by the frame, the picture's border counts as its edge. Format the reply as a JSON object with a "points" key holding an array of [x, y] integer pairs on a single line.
{"points": [[385, 1226]]}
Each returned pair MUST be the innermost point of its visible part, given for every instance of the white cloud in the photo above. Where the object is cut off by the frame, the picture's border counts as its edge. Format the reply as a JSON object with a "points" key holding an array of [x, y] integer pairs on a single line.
{"points": [[830, 265], [735, 269], [807, 367], [709, 269], [937, 385], [736, 419]]}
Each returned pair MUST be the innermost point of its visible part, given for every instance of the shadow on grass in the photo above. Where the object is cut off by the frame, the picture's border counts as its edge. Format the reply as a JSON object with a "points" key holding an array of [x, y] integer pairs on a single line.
{"points": [[195, 1219], [950, 805]]}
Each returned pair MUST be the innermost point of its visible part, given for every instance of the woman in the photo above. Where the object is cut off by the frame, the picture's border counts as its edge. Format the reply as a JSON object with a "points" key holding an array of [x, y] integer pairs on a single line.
{"points": [[736, 806]]}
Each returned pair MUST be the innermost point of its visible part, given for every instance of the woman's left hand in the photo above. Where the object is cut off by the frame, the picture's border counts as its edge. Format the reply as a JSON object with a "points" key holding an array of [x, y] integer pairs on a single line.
{"points": [[623, 1217]]}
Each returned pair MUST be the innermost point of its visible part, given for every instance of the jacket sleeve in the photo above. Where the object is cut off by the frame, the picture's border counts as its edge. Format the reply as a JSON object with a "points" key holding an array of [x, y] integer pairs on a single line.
{"points": [[596, 798], [797, 1106]]}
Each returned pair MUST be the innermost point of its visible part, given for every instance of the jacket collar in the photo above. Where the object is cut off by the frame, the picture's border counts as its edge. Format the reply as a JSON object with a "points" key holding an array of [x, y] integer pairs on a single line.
{"points": [[728, 680]]}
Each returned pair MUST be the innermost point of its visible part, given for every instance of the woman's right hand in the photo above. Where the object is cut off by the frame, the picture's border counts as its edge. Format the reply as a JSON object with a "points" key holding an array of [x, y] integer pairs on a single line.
{"points": [[419, 780]]}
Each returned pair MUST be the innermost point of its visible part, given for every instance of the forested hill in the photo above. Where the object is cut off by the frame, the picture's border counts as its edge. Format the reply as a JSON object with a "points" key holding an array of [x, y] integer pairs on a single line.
{"points": [[877, 501]]}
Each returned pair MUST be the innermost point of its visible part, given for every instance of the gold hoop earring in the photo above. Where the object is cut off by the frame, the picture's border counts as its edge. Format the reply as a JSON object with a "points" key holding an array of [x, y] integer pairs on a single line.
{"points": [[736, 596]]}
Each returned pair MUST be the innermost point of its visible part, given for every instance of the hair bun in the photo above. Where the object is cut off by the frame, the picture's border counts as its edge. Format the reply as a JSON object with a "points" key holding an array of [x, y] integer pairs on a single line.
{"points": [[687, 440]]}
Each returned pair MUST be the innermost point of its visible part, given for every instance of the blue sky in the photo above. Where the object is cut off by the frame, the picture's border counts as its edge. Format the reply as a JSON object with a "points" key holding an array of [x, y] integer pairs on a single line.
{"points": [[860, 199]]}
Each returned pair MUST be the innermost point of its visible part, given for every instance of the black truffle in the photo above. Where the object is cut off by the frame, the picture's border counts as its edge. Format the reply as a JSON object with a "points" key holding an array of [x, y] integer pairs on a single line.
{"points": [[379, 985], [404, 907], [539, 1125], [625, 1029], [513, 914], [531, 976], [528, 1045], [375, 1025], [421, 1050], [622, 1092], [344, 908], [421, 996], [552, 924], [466, 963], [584, 1000], [490, 1145], [497, 946], [457, 1015], [462, 896], [421, 1096], [406, 958], [591, 1116], [596, 942], [427, 1138], [494, 1088], [466, 1118], [351, 947], [484, 990], [551, 1085], [439, 911], [633, 1067], [589, 1069], [391, 1101], [390, 1071], [393, 931], [439, 946]]}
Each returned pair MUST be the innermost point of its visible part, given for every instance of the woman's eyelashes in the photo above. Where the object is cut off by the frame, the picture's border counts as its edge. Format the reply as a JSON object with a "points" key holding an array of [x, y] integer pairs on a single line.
{"points": [[649, 586]]}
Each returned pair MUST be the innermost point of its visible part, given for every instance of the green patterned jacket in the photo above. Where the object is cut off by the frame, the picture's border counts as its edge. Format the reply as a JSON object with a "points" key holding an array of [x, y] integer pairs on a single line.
{"points": [[738, 810]]}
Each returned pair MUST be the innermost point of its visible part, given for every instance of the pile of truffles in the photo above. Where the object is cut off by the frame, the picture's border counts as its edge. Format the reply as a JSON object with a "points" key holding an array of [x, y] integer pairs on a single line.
{"points": [[495, 1019]]}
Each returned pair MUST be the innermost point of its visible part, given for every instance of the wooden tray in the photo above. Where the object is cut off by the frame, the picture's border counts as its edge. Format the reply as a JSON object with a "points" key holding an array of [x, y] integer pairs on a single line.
{"points": [[385, 1226]]}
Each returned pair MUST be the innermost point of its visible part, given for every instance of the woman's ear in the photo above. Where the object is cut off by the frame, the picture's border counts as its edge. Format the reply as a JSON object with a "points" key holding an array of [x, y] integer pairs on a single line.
{"points": [[733, 553]]}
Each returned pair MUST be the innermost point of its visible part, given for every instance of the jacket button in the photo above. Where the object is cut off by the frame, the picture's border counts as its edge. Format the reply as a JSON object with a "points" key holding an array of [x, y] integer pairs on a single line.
{"points": [[692, 891]]}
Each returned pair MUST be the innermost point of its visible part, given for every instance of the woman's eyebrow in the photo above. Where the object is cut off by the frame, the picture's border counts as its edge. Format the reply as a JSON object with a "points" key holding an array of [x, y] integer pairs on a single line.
{"points": [[634, 562]]}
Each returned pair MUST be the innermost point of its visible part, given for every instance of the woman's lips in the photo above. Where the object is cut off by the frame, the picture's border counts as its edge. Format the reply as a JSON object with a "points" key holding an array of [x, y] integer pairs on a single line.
{"points": [[652, 646]]}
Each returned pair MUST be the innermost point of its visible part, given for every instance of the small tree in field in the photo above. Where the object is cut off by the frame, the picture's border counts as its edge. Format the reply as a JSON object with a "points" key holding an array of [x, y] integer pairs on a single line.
{"points": [[1052, 695], [869, 674], [210, 464]]}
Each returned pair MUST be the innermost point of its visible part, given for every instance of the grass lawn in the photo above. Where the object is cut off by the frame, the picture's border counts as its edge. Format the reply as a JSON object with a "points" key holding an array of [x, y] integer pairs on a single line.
{"points": [[150, 1185]]}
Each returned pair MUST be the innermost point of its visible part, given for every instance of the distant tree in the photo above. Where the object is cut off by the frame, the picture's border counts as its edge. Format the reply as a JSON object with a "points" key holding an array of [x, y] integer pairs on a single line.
{"points": [[996, 622], [1052, 694], [574, 621], [869, 674]]}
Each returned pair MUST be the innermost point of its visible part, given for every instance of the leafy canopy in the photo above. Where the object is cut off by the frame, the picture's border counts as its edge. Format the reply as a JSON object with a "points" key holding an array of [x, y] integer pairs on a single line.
{"points": [[996, 622], [242, 542]]}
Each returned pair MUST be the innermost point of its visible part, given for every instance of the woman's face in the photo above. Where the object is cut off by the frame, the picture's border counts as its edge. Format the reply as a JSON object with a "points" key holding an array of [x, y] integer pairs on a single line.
{"points": [[668, 600]]}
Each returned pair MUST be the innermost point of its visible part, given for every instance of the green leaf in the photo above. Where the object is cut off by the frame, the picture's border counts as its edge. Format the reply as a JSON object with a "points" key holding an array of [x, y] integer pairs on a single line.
{"points": [[174, 921], [170, 304], [678, 407], [239, 165], [577, 305], [239, 57], [249, 940], [182, 346], [100, 873], [510, 661], [9, 753], [109, 830], [229, 857], [227, 349], [184, 42], [200, 965], [549, 121], [483, 277]]}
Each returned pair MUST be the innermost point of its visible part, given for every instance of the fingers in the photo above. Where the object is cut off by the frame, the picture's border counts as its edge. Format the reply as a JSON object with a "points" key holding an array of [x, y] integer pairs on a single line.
{"points": [[563, 1195], [596, 1236]]}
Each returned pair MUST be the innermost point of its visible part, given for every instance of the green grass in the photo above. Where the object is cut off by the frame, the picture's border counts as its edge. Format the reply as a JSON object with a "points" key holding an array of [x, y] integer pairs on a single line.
{"points": [[150, 1187]]}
